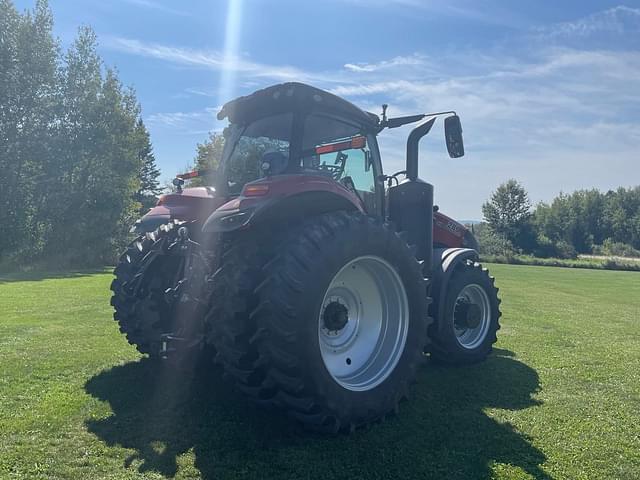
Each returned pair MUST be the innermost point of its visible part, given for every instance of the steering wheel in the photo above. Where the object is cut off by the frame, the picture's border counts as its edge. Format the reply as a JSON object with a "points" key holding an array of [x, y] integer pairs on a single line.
{"points": [[391, 178], [335, 171]]}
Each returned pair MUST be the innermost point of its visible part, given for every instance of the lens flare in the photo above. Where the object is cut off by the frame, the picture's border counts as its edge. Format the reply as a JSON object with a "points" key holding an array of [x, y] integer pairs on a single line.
{"points": [[231, 51]]}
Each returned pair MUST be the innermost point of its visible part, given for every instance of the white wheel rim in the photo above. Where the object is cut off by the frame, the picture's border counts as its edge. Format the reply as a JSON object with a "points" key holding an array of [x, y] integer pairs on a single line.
{"points": [[467, 337], [363, 350]]}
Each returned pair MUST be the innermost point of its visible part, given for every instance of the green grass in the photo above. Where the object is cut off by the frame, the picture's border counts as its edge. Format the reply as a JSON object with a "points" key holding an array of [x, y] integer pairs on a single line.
{"points": [[560, 398]]}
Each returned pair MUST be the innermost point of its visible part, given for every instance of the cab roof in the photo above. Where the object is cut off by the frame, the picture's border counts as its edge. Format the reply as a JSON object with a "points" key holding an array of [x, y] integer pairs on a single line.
{"points": [[297, 98]]}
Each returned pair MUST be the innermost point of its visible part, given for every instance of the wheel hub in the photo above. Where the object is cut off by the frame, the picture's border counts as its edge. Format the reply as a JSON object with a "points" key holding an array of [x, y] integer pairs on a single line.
{"points": [[335, 316], [471, 316], [466, 314]]}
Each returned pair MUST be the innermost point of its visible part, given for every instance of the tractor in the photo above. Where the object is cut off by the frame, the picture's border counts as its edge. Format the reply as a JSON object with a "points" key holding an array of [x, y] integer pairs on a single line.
{"points": [[317, 281]]}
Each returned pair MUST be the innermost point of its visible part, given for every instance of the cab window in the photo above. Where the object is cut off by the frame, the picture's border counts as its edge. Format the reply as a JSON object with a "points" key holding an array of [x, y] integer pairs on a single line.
{"points": [[268, 136], [337, 149], [355, 167]]}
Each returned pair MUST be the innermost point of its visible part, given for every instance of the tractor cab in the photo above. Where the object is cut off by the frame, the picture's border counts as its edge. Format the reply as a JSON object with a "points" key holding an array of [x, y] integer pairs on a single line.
{"points": [[305, 151], [293, 150], [295, 129]]}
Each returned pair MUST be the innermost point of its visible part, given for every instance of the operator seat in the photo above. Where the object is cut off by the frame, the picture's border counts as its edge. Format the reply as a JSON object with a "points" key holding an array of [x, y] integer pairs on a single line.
{"points": [[273, 163]]}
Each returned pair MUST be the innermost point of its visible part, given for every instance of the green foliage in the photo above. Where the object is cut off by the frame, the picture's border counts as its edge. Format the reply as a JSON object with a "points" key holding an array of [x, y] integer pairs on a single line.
{"points": [[594, 263], [582, 222], [545, 248], [586, 218], [28, 101], [491, 243], [149, 187], [508, 211], [617, 249], [209, 154], [76, 160]]}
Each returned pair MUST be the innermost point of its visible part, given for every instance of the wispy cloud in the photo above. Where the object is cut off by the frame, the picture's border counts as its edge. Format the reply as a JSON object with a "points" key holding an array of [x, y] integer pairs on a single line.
{"points": [[415, 59], [210, 59], [471, 11], [563, 84], [184, 121], [200, 93], [617, 20], [153, 5]]}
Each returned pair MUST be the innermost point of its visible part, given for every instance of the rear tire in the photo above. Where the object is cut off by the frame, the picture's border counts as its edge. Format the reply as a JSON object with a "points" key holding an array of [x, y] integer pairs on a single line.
{"points": [[468, 320], [281, 356], [232, 299]]}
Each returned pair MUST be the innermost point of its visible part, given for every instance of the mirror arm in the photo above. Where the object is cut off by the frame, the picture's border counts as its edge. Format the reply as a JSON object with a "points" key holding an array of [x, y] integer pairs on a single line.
{"points": [[440, 113], [400, 121]]}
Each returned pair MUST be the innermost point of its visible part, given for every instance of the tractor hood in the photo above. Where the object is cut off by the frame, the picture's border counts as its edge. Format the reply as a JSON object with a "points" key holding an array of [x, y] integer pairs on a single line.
{"points": [[293, 97], [190, 204], [449, 233]]}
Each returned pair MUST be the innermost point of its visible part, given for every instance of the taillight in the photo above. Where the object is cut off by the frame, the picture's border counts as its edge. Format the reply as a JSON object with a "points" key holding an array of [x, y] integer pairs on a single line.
{"points": [[354, 142], [257, 190], [189, 175]]}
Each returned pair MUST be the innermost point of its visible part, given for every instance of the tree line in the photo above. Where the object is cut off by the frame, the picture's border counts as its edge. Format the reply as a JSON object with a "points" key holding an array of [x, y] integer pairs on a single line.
{"points": [[585, 221], [76, 160]]}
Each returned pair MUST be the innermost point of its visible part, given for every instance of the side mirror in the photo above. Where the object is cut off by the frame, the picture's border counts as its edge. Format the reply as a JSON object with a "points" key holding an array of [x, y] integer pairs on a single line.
{"points": [[453, 136]]}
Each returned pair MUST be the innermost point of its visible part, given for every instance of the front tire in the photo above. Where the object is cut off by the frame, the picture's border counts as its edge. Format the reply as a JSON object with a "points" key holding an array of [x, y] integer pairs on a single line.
{"points": [[142, 307], [347, 279], [468, 320]]}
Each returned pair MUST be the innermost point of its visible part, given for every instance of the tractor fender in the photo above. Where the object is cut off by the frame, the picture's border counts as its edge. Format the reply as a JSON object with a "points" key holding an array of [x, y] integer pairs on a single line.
{"points": [[149, 223], [190, 204], [445, 261], [281, 209]]}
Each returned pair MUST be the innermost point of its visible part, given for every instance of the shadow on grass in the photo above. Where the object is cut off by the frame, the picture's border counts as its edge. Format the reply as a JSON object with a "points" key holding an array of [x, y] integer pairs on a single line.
{"points": [[33, 276], [442, 432]]}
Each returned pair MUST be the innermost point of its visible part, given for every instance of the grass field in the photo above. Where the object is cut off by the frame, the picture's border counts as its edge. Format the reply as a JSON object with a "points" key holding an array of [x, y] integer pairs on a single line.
{"points": [[560, 398]]}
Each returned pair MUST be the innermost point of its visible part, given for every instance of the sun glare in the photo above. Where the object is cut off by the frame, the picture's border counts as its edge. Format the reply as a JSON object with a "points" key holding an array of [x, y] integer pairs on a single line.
{"points": [[231, 51]]}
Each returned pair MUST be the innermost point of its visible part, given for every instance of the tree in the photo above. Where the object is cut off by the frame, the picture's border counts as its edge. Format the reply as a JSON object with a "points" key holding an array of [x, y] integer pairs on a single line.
{"points": [[76, 169], [490, 243], [508, 213], [149, 187], [586, 218], [584, 221], [622, 215], [74, 155], [208, 156], [28, 88]]}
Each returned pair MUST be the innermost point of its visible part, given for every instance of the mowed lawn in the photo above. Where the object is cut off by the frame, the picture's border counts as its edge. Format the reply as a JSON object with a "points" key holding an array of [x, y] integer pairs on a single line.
{"points": [[560, 397]]}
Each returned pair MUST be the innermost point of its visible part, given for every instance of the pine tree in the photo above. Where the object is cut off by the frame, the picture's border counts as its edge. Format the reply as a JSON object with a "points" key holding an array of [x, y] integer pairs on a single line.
{"points": [[149, 172]]}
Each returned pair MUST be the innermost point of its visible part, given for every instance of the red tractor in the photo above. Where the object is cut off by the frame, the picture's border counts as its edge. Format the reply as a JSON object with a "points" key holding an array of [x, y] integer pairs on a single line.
{"points": [[316, 280]]}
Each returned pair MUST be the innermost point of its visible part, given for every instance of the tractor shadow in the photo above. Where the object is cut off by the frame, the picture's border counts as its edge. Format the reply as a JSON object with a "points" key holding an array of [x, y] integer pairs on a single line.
{"points": [[443, 432]]}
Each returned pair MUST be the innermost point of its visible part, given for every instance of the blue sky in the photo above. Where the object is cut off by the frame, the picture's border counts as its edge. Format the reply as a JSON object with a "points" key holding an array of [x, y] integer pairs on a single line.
{"points": [[548, 91]]}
